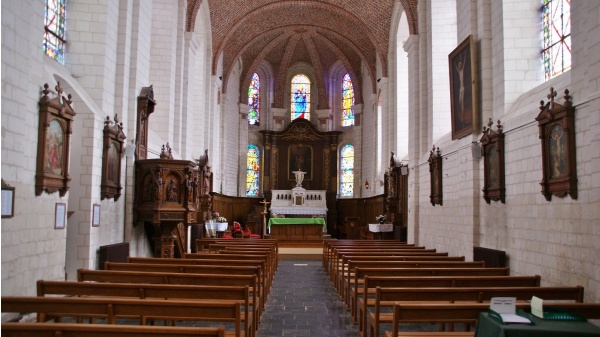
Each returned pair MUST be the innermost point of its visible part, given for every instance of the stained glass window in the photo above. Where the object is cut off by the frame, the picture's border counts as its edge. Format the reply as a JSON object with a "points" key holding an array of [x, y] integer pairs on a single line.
{"points": [[300, 97], [252, 170], [556, 19], [347, 171], [254, 100], [54, 29], [347, 101]]}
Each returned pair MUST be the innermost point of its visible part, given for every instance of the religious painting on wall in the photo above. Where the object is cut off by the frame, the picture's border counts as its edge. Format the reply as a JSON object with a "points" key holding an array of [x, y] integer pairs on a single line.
{"points": [[54, 140], [435, 173], [492, 150], [556, 124], [114, 146], [300, 159], [463, 91]]}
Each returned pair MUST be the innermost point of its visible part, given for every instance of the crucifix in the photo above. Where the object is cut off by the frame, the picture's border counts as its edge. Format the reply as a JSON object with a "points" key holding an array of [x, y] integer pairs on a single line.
{"points": [[264, 217], [551, 96]]}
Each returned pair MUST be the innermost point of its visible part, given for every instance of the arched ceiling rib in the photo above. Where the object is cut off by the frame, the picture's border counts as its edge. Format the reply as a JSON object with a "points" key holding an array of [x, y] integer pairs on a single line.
{"points": [[355, 32]]}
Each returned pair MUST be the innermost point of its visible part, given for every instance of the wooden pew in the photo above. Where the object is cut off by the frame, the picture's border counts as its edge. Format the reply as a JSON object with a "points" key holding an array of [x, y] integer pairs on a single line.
{"points": [[15, 329], [213, 259], [142, 310], [340, 258], [361, 297], [202, 245], [462, 312], [232, 294], [335, 255], [196, 269], [348, 273], [389, 296], [395, 257], [330, 246], [112, 276]]}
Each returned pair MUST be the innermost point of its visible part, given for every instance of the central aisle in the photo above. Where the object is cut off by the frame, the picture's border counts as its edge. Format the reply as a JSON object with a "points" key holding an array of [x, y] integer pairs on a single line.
{"points": [[303, 303]]}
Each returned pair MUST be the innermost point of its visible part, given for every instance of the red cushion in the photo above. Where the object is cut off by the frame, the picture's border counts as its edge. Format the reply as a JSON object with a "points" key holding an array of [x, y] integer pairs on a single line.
{"points": [[254, 236]]}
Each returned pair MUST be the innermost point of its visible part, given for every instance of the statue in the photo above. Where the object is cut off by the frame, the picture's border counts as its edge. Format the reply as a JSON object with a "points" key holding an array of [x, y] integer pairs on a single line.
{"points": [[299, 177]]}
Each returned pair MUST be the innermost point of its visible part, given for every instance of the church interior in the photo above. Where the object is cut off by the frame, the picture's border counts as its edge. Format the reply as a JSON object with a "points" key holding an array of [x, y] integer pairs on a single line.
{"points": [[462, 126]]}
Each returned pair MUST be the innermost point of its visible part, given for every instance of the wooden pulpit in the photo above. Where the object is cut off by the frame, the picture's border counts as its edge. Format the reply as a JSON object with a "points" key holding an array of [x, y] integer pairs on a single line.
{"points": [[166, 195]]}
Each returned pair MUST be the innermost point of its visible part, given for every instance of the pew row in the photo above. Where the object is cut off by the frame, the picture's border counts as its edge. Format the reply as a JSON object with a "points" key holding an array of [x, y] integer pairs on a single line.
{"points": [[363, 297], [387, 297], [17, 329], [111, 276], [142, 311], [233, 294], [466, 312]]}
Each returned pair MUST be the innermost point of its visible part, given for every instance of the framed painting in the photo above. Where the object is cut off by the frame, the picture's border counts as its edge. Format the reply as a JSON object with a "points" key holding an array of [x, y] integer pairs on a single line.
{"points": [[435, 172], [556, 124], [300, 158], [492, 151], [54, 140], [463, 91], [112, 152]]}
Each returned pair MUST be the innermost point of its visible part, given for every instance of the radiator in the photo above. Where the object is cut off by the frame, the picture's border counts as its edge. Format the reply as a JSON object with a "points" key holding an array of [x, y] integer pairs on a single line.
{"points": [[117, 252], [493, 258]]}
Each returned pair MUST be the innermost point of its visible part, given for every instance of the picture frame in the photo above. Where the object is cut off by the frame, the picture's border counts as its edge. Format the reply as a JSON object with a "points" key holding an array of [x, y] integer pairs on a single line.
{"points": [[463, 89], [556, 124], [96, 215], [54, 142], [300, 158], [8, 200], [435, 173], [60, 215], [492, 151], [112, 153]]}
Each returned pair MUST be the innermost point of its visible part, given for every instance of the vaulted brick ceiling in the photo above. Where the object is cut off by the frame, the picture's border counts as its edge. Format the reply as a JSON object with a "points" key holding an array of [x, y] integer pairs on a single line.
{"points": [[315, 32]]}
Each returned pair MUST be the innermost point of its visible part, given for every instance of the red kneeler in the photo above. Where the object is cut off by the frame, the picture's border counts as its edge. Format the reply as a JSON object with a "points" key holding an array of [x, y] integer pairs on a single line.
{"points": [[239, 232]]}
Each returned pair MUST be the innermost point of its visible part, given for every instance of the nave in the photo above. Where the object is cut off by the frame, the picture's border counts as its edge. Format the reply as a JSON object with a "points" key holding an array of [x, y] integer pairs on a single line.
{"points": [[332, 293]]}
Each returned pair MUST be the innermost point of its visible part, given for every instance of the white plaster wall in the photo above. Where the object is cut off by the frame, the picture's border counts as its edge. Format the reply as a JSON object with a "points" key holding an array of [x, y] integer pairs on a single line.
{"points": [[557, 239]]}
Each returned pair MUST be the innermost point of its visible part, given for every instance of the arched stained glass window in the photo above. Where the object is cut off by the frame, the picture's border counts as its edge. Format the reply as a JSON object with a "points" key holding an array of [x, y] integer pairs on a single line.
{"points": [[556, 20], [300, 97], [54, 29], [254, 100], [252, 170], [347, 171], [347, 101]]}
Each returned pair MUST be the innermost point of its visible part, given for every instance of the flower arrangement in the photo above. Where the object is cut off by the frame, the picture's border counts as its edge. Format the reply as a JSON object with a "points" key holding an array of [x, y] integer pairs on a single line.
{"points": [[381, 218], [216, 217]]}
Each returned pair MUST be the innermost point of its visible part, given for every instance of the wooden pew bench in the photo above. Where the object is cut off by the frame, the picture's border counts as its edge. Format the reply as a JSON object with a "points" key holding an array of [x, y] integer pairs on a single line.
{"points": [[341, 258], [111, 276], [334, 260], [143, 311], [465, 312], [330, 246], [380, 258], [366, 294], [387, 297], [202, 245], [214, 259], [15, 329], [233, 294], [347, 275], [196, 269]]}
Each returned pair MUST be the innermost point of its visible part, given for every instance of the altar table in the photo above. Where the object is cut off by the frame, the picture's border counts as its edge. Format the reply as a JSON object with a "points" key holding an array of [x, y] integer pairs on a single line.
{"points": [[378, 228], [490, 327], [297, 228]]}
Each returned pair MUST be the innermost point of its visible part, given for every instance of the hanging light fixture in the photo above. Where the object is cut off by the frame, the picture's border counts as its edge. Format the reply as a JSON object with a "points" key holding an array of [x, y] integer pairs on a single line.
{"points": [[366, 184]]}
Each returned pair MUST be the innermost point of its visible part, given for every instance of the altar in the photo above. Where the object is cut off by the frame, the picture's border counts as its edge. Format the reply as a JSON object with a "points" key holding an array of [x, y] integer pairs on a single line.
{"points": [[298, 214], [297, 228]]}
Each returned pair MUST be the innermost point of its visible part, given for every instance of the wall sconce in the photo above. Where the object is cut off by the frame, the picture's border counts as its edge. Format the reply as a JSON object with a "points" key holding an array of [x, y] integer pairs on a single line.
{"points": [[366, 184]]}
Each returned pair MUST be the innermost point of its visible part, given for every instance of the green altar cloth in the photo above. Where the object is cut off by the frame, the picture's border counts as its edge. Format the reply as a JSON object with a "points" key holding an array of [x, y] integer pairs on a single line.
{"points": [[490, 327], [296, 221]]}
